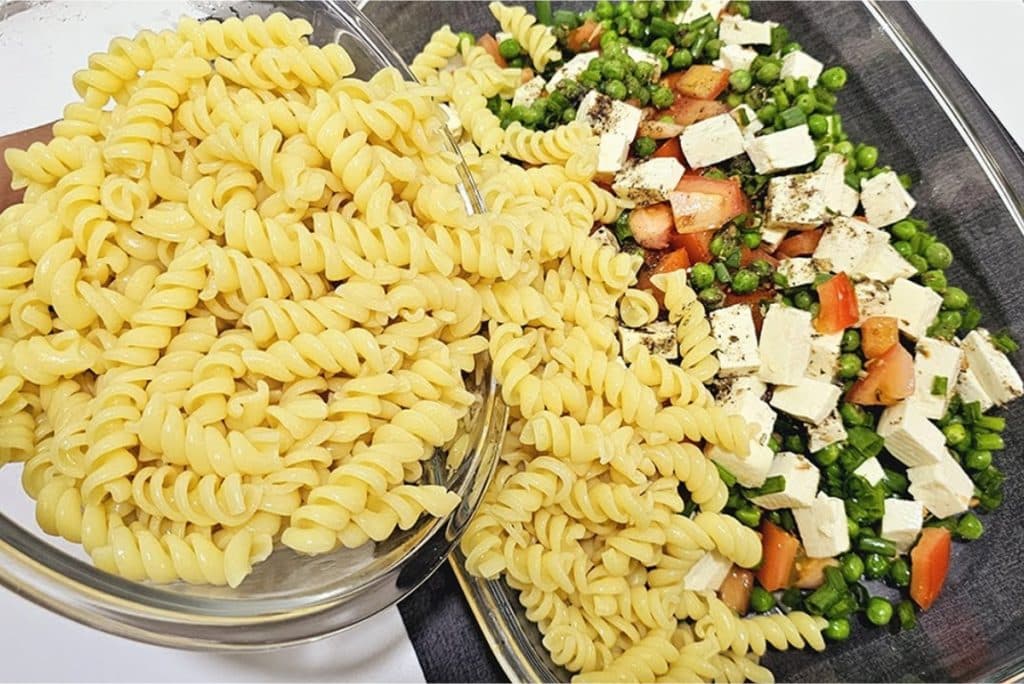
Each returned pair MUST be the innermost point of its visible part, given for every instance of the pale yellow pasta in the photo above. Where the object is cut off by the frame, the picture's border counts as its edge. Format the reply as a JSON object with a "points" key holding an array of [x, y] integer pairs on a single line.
{"points": [[537, 38], [638, 308]]}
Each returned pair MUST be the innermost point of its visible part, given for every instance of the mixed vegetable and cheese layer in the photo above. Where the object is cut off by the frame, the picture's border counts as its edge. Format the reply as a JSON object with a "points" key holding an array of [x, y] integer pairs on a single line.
{"points": [[864, 371]]}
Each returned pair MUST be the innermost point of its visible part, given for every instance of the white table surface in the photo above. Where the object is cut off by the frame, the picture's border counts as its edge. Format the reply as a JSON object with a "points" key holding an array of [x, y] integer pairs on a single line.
{"points": [[39, 646]]}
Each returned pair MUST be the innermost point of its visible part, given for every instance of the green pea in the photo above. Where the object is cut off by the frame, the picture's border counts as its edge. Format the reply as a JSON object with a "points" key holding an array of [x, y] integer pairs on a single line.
{"points": [[989, 441], [569, 115], [853, 415], [834, 78], [905, 613], [636, 29], [613, 70], [817, 124], [466, 37], [851, 340], [660, 46], [662, 97], [969, 527], [867, 157], [510, 48], [713, 48], [904, 230], [828, 455], [849, 366], [761, 267], [879, 611], [919, 263], [641, 10], [938, 255], [717, 245], [934, 279], [789, 47], [978, 459], [663, 64], [761, 601], [734, 100], [748, 515], [795, 443], [623, 8], [852, 566], [740, 80], [702, 275], [604, 9], [803, 300], [767, 113], [711, 296], [681, 59], [837, 629], [615, 89], [644, 71], [899, 573], [844, 148], [752, 239], [588, 79], [950, 319], [806, 103], [875, 566], [768, 73], [955, 433], [955, 298], [904, 248], [644, 146]]}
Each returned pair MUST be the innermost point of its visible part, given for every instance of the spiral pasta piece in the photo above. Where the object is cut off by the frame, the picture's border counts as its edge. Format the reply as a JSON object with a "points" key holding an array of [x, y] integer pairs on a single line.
{"points": [[538, 39]]}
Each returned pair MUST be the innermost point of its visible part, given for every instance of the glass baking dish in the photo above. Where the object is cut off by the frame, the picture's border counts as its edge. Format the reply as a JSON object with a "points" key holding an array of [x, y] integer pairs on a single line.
{"points": [[288, 598], [908, 98]]}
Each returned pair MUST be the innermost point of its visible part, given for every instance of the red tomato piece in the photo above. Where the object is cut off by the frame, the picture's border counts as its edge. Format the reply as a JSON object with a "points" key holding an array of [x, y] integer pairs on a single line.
{"points": [[701, 81], [780, 547], [802, 244], [489, 43], [890, 378], [672, 261], [695, 244], [749, 256], [652, 225], [670, 148], [700, 204], [878, 334], [929, 564], [584, 37], [838, 305], [687, 110]]}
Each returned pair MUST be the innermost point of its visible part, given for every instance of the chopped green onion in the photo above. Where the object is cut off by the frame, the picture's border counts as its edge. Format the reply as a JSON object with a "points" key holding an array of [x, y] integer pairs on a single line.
{"points": [[877, 545], [940, 384]]}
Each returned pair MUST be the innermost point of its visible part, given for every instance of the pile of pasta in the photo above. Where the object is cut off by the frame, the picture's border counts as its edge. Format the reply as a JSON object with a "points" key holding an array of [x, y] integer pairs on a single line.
{"points": [[585, 515]]}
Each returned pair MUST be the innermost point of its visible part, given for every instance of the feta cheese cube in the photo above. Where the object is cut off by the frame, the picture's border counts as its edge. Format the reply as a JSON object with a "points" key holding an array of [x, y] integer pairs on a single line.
{"points": [[785, 345], [573, 68], [735, 58], [605, 236], [992, 368], [773, 236], [746, 119], [712, 140], [826, 433], [795, 202], [699, 8], [801, 483], [755, 411], [844, 244], [659, 338], [605, 115], [452, 121], [824, 363], [884, 199], [910, 436], [913, 306], [798, 271], [708, 573], [612, 150], [640, 55], [750, 470], [650, 181], [846, 202], [529, 92], [883, 264], [823, 528], [782, 150], [902, 522], [872, 299], [935, 359], [799, 64], [808, 400], [729, 389], [735, 30], [871, 470], [943, 488], [832, 179], [733, 328], [969, 389]]}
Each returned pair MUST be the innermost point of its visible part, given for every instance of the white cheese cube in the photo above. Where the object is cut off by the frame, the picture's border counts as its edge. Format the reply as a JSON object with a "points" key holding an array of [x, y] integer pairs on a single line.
{"points": [[795, 202], [746, 119], [823, 528], [785, 345], [573, 68], [871, 470], [824, 363], [799, 64], [772, 237], [650, 181], [884, 199], [910, 436], [605, 115], [913, 306], [750, 470], [452, 121], [735, 30], [902, 522], [529, 92], [755, 411], [844, 244], [798, 271], [733, 328], [883, 264], [826, 433], [969, 388], [712, 140], [935, 359], [808, 400], [659, 338], [783, 150], [639, 55], [801, 483], [735, 58], [605, 236], [846, 202], [612, 150], [872, 299], [700, 8], [730, 389], [708, 573], [833, 184], [992, 368], [943, 488]]}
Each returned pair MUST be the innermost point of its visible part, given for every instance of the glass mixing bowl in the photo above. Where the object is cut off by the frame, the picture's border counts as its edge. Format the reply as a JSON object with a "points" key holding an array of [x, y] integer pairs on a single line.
{"points": [[288, 598]]}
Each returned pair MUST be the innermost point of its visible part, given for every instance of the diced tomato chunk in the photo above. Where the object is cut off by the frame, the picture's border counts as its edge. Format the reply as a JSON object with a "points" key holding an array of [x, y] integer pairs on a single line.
{"points": [[701, 81], [687, 110], [735, 590], [584, 37], [672, 261], [527, 75], [780, 547], [801, 244], [489, 43], [929, 565], [878, 334], [695, 244], [890, 378], [838, 305], [665, 262], [749, 256], [652, 225], [700, 204], [670, 148]]}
